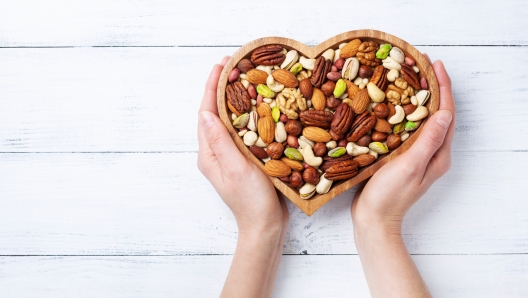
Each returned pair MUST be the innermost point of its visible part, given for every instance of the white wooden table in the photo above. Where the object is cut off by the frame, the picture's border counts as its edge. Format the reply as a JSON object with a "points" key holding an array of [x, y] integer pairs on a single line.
{"points": [[99, 191]]}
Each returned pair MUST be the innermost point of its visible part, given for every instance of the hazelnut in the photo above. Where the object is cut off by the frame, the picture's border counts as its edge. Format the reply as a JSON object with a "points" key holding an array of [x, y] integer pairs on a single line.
{"points": [[381, 110], [328, 88], [364, 141], [393, 141], [319, 149], [340, 63], [292, 141], [245, 65], [342, 143], [310, 175], [332, 102], [293, 127], [377, 136], [409, 108], [296, 180], [275, 150], [365, 71]]}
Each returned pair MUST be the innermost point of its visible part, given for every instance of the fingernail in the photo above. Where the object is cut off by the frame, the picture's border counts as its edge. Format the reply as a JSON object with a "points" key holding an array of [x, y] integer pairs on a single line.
{"points": [[444, 118], [206, 119]]}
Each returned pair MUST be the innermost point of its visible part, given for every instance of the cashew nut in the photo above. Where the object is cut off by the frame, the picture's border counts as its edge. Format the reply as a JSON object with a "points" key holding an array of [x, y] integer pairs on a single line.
{"points": [[331, 145], [303, 142], [307, 63], [245, 83], [404, 136], [267, 69], [375, 93], [260, 143], [373, 153], [274, 86], [310, 158], [324, 185], [398, 117], [355, 150], [328, 54], [390, 63], [418, 114]]}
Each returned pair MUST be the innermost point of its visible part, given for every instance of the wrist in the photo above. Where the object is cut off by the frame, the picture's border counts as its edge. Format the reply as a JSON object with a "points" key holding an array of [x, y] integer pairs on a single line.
{"points": [[376, 228]]}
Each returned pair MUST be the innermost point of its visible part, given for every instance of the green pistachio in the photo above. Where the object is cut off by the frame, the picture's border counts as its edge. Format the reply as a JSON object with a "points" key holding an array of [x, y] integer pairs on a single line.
{"points": [[293, 153], [336, 152], [275, 113], [398, 128], [383, 51], [378, 147], [296, 68], [339, 88], [241, 121], [265, 91], [412, 125]]}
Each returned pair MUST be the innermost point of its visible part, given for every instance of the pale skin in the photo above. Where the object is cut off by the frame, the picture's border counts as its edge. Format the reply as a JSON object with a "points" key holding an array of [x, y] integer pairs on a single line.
{"points": [[378, 207]]}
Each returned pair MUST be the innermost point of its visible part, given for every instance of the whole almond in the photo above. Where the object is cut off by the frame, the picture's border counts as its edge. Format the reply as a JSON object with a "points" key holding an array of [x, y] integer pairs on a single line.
{"points": [[266, 129], [364, 141], [316, 134], [350, 49], [258, 152], [361, 101], [306, 88], [364, 159], [263, 110], [377, 136], [256, 76], [352, 89], [383, 126], [245, 65], [293, 164], [285, 77], [318, 100], [277, 168]]}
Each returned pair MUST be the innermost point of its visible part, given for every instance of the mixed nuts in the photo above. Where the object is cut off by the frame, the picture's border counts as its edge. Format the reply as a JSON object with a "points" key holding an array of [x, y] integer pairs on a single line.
{"points": [[316, 121]]}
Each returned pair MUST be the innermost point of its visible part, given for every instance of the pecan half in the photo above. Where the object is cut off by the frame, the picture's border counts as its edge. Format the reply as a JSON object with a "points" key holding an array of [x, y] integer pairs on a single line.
{"points": [[343, 119], [410, 76], [238, 97], [361, 126], [321, 119], [383, 82], [342, 170], [268, 55], [321, 69], [330, 161]]}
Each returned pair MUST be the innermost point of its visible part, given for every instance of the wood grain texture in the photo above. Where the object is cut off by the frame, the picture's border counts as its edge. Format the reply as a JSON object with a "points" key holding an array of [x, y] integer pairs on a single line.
{"points": [[139, 99], [311, 205], [203, 276], [145, 204], [172, 23]]}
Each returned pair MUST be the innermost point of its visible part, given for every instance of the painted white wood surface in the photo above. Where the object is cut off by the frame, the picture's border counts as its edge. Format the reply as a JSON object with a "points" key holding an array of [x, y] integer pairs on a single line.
{"points": [[203, 276], [146, 99], [202, 22], [111, 223], [159, 203]]}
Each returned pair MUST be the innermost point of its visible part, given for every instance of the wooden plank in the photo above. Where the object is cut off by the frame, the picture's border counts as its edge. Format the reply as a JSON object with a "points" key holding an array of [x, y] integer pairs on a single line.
{"points": [[159, 204], [298, 276], [145, 99], [170, 23]]}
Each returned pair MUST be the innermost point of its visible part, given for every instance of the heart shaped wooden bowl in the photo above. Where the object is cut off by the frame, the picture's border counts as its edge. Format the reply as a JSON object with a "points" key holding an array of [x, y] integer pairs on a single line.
{"points": [[311, 205]]}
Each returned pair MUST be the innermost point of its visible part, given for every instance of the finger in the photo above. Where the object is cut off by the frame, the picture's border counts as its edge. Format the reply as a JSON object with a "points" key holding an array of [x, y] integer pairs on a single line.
{"points": [[447, 101], [427, 57], [219, 140], [430, 140], [209, 97], [207, 162]]}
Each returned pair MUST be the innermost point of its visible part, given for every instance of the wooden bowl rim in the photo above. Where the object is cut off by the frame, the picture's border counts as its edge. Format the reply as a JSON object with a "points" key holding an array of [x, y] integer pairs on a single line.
{"points": [[311, 205]]}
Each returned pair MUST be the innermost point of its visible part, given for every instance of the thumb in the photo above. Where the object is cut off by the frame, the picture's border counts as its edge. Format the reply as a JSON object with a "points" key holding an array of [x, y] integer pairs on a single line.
{"points": [[431, 137], [219, 140]]}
